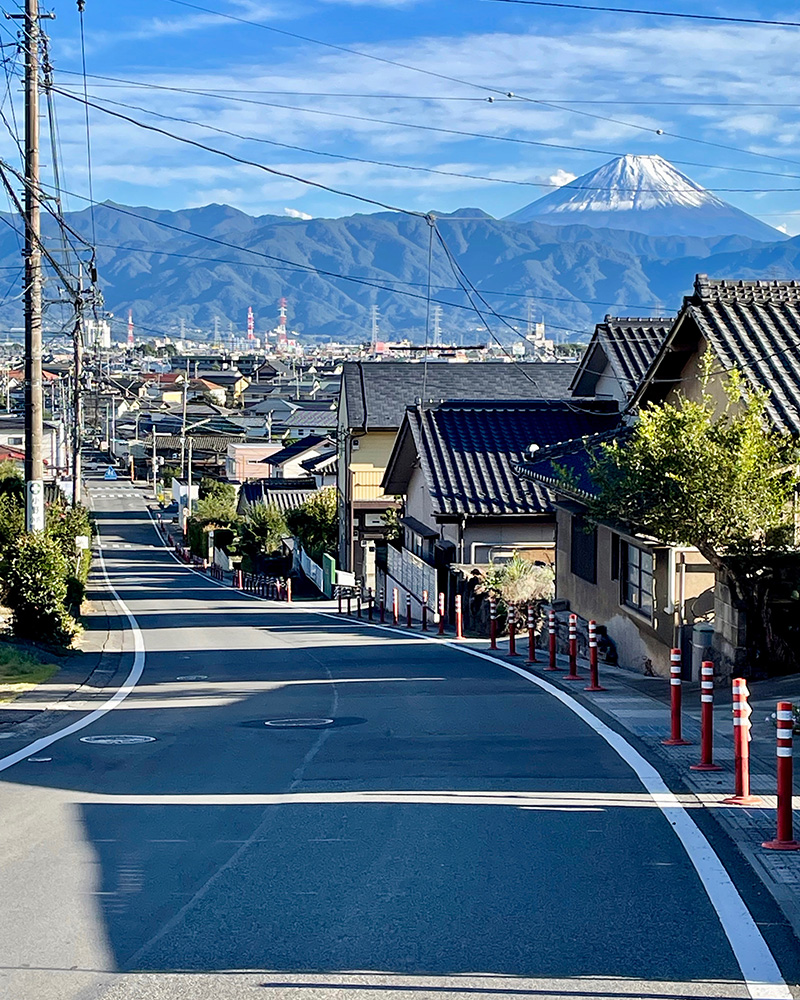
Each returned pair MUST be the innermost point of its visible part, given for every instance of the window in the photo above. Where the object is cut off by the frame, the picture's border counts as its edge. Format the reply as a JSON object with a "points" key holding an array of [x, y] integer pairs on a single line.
{"points": [[15, 440], [637, 583], [584, 549]]}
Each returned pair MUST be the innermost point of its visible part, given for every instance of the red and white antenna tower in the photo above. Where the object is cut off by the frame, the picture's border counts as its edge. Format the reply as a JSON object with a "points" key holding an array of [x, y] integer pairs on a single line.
{"points": [[251, 324], [130, 328], [282, 322]]}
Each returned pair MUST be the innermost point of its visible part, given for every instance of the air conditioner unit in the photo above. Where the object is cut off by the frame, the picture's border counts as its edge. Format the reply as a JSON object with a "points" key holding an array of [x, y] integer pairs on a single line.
{"points": [[356, 444]]}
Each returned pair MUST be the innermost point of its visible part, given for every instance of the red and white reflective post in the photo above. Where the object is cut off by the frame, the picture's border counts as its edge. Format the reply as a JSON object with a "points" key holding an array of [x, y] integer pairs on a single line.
{"points": [[784, 841], [531, 634], [289, 590], [551, 629], [741, 743], [425, 596], [408, 610], [358, 602], [573, 650], [395, 606], [459, 618], [512, 630], [441, 614], [594, 679], [370, 604], [492, 622], [383, 606], [676, 707], [706, 720]]}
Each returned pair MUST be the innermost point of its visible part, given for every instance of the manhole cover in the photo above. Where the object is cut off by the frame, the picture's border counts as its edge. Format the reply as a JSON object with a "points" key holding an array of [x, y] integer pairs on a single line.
{"points": [[299, 723], [193, 677], [118, 741]]}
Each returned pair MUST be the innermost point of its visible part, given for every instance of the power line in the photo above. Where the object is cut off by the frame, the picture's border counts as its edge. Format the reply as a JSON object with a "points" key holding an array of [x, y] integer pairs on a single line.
{"points": [[636, 10], [414, 167]]}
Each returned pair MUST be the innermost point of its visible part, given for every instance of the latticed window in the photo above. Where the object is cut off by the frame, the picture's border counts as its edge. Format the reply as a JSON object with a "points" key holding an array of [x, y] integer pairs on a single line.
{"points": [[637, 584]]}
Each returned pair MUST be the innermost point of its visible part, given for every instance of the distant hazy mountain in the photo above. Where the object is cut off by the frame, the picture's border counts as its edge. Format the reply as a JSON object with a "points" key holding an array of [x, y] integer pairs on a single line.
{"points": [[645, 194], [212, 263]]}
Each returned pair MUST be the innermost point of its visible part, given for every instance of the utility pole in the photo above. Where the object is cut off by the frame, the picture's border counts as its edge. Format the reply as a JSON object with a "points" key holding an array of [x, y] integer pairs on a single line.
{"points": [[34, 465], [77, 406]]}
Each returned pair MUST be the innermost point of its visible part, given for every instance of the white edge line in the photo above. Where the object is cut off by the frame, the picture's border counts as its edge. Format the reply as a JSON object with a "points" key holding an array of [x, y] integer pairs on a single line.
{"points": [[758, 966], [119, 695]]}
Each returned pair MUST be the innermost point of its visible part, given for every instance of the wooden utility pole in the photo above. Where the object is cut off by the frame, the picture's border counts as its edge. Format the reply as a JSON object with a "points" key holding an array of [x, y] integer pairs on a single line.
{"points": [[77, 407], [34, 465]]}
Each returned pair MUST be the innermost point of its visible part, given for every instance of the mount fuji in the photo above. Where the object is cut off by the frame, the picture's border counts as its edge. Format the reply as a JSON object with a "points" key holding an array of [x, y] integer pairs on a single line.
{"points": [[644, 194]]}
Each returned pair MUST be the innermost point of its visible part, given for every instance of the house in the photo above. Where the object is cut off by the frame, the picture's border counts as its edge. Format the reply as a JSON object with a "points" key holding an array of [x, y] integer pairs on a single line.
{"points": [[285, 494], [231, 381], [651, 594], [310, 420], [372, 405], [245, 461], [462, 503], [323, 468], [618, 355], [288, 462], [54, 443]]}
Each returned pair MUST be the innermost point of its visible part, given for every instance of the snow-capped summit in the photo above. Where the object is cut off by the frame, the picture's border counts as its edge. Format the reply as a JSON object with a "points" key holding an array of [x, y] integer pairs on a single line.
{"points": [[644, 194]]}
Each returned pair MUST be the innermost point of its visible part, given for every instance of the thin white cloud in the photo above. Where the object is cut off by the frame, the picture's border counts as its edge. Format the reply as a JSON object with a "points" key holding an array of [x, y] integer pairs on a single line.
{"points": [[295, 213], [562, 177]]}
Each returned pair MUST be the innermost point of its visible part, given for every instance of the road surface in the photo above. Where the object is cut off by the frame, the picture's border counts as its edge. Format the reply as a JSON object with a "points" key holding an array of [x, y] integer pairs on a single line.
{"points": [[456, 833]]}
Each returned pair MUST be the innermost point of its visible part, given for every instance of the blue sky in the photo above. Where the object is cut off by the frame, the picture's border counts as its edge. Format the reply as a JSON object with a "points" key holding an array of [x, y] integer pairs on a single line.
{"points": [[712, 84]]}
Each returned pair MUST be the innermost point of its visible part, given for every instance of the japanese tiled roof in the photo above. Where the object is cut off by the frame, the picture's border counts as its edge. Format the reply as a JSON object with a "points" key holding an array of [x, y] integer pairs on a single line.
{"points": [[312, 418], [630, 344], [297, 448], [755, 326], [467, 450], [378, 393], [564, 466], [285, 494]]}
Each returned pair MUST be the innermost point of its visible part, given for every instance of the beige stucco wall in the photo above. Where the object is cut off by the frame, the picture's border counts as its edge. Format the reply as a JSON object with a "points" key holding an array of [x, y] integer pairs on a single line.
{"points": [[642, 644]]}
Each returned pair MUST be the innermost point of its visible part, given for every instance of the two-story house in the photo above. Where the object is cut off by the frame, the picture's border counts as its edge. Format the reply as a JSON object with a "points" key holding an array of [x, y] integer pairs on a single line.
{"points": [[372, 406]]}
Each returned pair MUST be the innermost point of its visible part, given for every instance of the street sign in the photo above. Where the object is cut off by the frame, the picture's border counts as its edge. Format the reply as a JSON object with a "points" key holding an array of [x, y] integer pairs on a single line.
{"points": [[110, 473]]}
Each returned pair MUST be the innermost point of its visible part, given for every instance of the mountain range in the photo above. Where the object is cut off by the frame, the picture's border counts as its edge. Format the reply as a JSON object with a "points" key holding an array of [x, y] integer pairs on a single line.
{"points": [[202, 264]]}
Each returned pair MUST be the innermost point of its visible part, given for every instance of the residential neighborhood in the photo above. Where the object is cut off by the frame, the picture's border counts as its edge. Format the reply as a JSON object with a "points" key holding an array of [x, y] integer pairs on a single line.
{"points": [[399, 501]]}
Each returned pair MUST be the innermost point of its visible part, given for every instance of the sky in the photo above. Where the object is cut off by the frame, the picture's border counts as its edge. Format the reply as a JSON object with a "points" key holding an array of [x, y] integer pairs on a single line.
{"points": [[725, 96]]}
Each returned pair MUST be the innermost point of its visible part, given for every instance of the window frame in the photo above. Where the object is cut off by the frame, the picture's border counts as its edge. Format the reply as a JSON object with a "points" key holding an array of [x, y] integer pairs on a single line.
{"points": [[636, 580]]}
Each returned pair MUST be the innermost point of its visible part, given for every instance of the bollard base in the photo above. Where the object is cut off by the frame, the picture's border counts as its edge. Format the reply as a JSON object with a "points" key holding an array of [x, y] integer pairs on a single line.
{"points": [[781, 845], [741, 800], [595, 687], [553, 668], [705, 767], [573, 677], [676, 743]]}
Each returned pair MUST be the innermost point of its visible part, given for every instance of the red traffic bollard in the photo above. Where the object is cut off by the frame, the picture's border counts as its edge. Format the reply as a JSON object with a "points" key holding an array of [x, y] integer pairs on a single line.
{"points": [[424, 610], [492, 622], [573, 650], [239, 579], [395, 606], [785, 839], [408, 610], [289, 591], [512, 630], [551, 629], [441, 614], [383, 606], [707, 720], [531, 634], [459, 618], [594, 682], [741, 742], [676, 738]]}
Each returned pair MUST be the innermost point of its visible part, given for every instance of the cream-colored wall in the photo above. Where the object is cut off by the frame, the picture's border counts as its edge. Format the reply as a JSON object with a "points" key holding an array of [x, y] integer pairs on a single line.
{"points": [[374, 450], [691, 384]]}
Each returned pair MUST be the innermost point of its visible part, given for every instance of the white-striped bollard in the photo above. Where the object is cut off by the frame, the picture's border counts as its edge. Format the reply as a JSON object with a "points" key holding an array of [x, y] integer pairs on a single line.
{"points": [[785, 839]]}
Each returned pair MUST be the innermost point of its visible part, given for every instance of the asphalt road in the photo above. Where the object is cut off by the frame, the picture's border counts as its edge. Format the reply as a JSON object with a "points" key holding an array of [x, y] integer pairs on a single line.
{"points": [[456, 833]]}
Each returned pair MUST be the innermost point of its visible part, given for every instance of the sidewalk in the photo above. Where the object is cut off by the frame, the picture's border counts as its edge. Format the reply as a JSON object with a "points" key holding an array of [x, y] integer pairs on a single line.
{"points": [[641, 706]]}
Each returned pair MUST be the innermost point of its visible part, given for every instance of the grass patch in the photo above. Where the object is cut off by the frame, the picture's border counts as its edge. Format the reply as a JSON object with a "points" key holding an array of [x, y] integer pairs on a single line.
{"points": [[20, 671]]}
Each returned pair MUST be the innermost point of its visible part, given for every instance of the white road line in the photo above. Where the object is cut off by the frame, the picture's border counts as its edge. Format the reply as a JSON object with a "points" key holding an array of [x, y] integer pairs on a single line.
{"points": [[117, 698], [757, 963]]}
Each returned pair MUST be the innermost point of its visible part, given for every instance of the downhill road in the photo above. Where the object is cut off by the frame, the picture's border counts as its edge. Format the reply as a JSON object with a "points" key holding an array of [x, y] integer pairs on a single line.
{"points": [[456, 833]]}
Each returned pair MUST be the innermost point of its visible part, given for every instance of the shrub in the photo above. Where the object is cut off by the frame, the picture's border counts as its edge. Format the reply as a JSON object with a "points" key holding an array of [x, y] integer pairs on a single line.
{"points": [[520, 582], [37, 590], [316, 522]]}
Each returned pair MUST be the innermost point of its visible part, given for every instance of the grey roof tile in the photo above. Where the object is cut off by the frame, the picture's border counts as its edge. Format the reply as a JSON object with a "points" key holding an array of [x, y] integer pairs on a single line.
{"points": [[378, 392], [467, 450]]}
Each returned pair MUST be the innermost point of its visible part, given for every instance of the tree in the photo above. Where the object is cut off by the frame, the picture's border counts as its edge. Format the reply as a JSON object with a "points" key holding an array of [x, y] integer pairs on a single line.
{"points": [[263, 531], [714, 477], [316, 522], [217, 503], [37, 590]]}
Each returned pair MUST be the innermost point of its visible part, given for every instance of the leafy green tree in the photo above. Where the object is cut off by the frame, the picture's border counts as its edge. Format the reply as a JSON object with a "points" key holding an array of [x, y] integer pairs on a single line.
{"points": [[218, 504], [712, 476], [316, 522], [263, 530]]}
